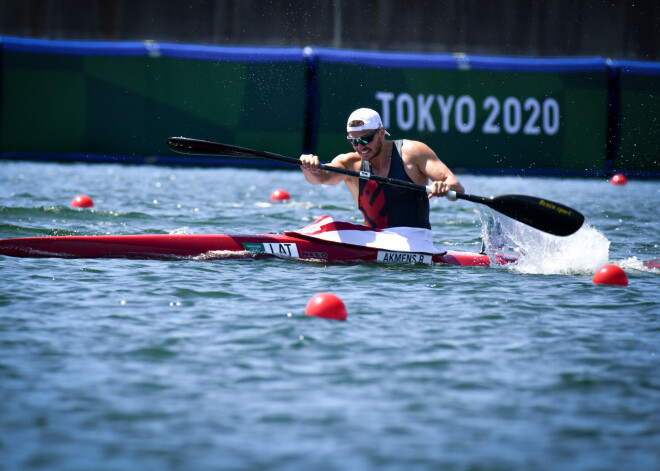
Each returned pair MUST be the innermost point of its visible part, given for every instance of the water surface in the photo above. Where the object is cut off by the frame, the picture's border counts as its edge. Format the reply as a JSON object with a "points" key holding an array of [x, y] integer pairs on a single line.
{"points": [[212, 364]]}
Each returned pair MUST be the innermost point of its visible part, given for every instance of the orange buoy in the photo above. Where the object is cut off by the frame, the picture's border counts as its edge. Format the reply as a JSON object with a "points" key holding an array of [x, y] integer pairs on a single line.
{"points": [[280, 195], [82, 201], [610, 275], [327, 306], [618, 179]]}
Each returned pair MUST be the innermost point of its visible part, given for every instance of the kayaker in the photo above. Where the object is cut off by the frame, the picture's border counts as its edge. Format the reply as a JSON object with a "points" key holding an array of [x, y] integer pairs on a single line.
{"points": [[385, 205]]}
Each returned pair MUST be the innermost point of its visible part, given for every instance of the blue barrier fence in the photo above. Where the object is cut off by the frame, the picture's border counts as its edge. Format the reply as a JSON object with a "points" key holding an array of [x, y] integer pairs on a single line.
{"points": [[119, 101]]}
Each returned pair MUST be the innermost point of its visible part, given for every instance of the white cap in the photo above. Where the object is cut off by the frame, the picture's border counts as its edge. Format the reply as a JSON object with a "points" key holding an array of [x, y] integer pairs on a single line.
{"points": [[370, 120]]}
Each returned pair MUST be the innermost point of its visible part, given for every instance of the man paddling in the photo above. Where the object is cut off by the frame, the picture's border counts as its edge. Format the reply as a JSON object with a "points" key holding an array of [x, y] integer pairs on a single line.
{"points": [[385, 205]]}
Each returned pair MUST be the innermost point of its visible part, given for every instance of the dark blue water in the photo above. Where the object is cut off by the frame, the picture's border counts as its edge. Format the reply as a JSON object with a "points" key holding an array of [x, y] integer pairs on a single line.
{"points": [[212, 364]]}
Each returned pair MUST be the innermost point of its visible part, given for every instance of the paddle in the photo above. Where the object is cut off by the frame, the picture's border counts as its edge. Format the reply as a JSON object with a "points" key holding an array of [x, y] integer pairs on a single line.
{"points": [[547, 216]]}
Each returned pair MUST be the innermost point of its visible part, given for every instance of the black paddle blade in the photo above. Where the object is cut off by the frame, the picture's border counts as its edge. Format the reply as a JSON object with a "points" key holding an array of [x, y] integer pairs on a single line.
{"points": [[539, 213], [197, 146], [186, 145]]}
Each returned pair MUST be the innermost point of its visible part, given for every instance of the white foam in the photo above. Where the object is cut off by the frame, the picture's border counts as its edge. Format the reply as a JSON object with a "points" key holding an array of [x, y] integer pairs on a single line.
{"points": [[583, 252], [182, 230], [633, 263], [224, 254]]}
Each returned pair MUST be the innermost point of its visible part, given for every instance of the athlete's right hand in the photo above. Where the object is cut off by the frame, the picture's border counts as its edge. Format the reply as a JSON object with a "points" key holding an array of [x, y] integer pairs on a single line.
{"points": [[310, 163]]}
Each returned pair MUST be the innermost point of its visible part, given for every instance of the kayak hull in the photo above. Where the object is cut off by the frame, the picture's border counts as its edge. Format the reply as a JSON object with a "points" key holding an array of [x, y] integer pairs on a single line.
{"points": [[222, 246]]}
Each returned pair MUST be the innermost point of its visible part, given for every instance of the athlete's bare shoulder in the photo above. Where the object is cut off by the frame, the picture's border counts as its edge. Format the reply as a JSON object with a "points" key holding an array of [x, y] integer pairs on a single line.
{"points": [[413, 150]]}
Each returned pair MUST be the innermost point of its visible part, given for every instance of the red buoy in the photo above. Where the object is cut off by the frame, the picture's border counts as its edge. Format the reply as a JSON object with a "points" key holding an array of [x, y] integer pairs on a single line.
{"points": [[611, 275], [82, 201], [327, 306], [280, 195], [618, 179]]}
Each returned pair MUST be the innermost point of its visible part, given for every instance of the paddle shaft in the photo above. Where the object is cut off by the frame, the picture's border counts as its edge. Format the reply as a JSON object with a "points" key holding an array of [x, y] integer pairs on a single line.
{"points": [[545, 215], [195, 146]]}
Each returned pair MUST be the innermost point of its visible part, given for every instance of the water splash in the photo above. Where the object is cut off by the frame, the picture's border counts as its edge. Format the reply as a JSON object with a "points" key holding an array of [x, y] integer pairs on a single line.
{"points": [[634, 263], [540, 253], [182, 230]]}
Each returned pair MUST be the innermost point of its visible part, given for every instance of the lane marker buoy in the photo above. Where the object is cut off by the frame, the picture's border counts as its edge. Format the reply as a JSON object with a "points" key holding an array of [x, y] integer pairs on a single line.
{"points": [[82, 201], [610, 275], [327, 306], [618, 179], [280, 195]]}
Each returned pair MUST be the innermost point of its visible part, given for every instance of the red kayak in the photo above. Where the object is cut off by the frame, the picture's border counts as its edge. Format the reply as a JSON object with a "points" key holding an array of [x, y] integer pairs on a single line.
{"points": [[323, 240], [220, 246]]}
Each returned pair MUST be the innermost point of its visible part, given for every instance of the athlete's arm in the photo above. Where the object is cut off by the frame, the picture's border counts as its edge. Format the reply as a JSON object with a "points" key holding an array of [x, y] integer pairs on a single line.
{"points": [[317, 176], [428, 163]]}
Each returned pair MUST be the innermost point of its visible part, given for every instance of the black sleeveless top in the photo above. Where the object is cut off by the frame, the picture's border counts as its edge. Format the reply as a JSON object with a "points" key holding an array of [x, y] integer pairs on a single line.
{"points": [[392, 206]]}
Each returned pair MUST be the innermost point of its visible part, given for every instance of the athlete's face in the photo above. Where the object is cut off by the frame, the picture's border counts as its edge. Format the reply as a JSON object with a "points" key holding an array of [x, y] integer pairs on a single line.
{"points": [[366, 143]]}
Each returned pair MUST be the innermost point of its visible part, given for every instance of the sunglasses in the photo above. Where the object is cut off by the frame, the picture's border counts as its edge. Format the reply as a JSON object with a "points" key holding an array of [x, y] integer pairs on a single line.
{"points": [[364, 140]]}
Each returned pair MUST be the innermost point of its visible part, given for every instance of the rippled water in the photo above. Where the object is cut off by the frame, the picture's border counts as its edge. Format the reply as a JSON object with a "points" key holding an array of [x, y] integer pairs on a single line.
{"points": [[179, 365]]}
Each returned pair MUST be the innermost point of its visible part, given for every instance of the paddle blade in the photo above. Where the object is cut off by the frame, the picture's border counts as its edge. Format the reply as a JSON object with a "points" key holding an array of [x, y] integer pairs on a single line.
{"points": [[197, 146], [539, 213], [186, 145]]}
